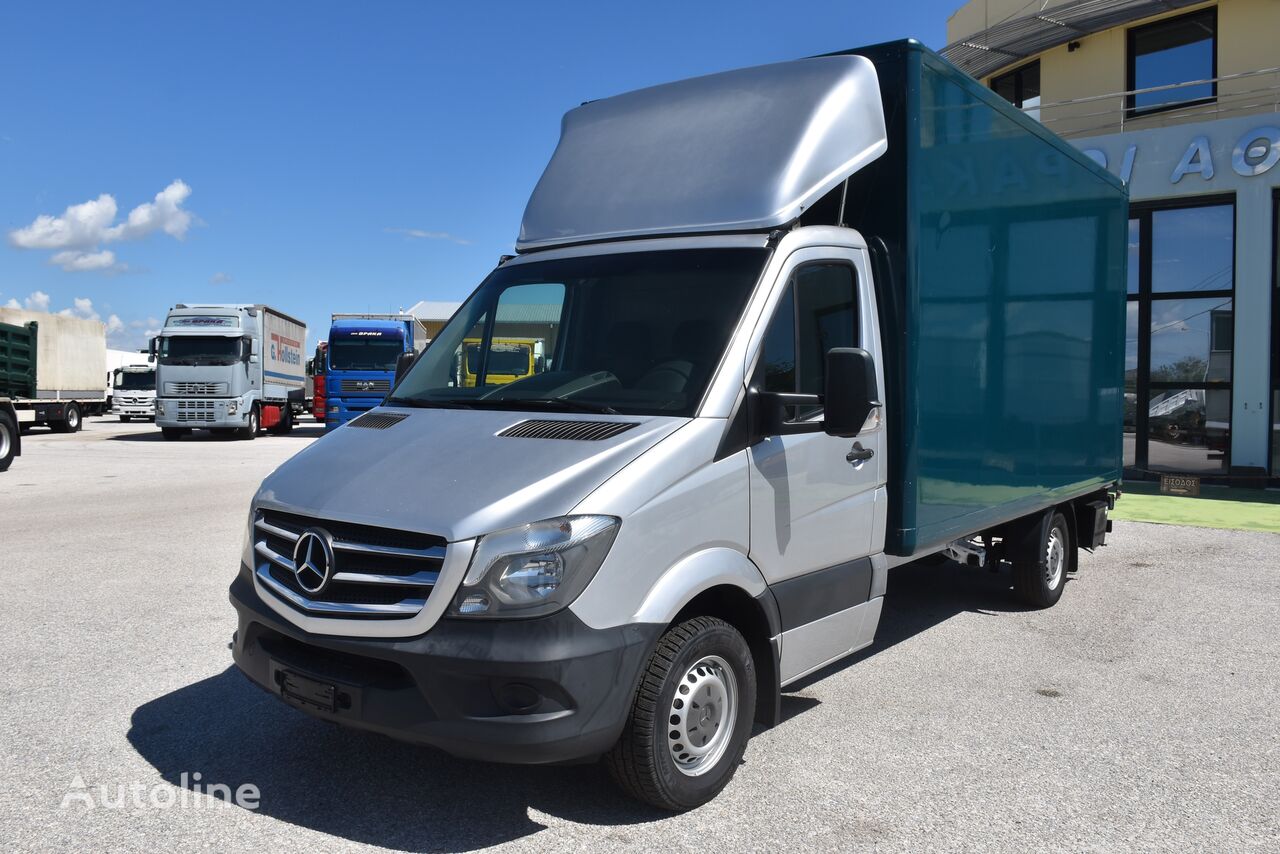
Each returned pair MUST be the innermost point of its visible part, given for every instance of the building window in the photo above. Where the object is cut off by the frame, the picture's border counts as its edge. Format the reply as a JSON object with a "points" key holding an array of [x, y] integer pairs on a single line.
{"points": [[1021, 87], [1180, 338], [1169, 52]]}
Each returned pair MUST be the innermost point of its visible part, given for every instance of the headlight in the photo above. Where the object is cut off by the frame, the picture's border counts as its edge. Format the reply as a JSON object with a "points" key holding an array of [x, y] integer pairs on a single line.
{"points": [[232, 406], [333, 410], [534, 569], [159, 407]]}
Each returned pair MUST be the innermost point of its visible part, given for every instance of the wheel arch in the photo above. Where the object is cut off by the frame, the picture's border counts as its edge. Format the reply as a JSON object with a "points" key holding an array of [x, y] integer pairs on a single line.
{"points": [[724, 583]]}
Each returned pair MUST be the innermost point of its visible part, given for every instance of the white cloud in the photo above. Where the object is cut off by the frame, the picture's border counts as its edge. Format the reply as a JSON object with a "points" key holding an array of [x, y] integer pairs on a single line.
{"points": [[221, 278], [164, 214], [38, 301], [75, 261], [419, 234], [13, 303], [80, 226], [78, 234]]}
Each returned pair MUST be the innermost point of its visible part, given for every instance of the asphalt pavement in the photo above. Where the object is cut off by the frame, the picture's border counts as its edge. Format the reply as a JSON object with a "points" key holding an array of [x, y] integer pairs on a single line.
{"points": [[1139, 714]]}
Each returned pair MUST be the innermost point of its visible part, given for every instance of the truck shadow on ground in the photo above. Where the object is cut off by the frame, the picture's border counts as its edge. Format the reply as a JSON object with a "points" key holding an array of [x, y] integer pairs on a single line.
{"points": [[361, 786], [302, 431], [366, 788]]}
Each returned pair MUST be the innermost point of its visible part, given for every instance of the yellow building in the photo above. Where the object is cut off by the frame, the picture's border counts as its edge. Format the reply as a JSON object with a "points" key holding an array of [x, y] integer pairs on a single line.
{"points": [[1182, 101]]}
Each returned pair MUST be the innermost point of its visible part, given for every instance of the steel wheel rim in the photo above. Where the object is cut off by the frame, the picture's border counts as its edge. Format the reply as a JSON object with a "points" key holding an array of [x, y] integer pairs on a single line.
{"points": [[1055, 557], [5, 440], [703, 712], [73, 417]]}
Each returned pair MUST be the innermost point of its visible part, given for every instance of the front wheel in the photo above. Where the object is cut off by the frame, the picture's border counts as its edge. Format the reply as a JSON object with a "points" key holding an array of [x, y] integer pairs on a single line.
{"points": [[690, 719], [1039, 582], [125, 419], [250, 430], [8, 440]]}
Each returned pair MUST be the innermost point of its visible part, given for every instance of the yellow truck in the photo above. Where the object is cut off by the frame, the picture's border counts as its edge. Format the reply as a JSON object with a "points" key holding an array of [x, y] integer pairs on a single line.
{"points": [[510, 359]]}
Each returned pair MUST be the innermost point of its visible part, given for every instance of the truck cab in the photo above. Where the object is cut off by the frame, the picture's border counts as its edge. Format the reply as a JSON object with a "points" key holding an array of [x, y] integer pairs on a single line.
{"points": [[788, 363], [228, 368], [504, 361], [360, 360], [133, 392]]}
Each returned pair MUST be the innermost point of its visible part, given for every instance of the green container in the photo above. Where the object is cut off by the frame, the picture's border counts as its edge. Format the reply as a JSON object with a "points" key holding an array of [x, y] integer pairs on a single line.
{"points": [[18, 360], [1001, 255]]}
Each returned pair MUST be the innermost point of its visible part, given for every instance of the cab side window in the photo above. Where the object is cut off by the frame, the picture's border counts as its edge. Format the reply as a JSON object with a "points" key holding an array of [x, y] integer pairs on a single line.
{"points": [[819, 311]]}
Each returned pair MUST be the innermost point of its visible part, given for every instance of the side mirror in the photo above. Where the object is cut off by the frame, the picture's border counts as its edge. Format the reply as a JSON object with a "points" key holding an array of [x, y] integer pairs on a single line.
{"points": [[851, 391], [151, 349], [403, 363]]}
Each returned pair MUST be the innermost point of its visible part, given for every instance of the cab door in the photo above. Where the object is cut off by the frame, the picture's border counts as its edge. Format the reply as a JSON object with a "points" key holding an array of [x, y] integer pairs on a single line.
{"points": [[817, 501]]}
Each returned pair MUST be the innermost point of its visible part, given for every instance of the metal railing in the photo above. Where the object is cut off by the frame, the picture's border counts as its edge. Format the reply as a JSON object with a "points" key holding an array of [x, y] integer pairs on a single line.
{"points": [[1117, 111]]}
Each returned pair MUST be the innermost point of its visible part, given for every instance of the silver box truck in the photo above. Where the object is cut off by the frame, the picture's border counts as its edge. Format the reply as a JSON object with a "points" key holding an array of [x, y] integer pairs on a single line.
{"points": [[232, 368], [798, 330], [53, 368]]}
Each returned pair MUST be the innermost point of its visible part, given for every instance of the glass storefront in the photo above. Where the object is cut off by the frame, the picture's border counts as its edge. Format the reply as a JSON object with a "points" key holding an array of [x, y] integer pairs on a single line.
{"points": [[1180, 336], [1275, 334]]}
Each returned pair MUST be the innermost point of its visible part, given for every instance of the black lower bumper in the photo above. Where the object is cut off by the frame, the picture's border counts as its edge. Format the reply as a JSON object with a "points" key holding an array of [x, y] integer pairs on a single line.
{"points": [[522, 691]]}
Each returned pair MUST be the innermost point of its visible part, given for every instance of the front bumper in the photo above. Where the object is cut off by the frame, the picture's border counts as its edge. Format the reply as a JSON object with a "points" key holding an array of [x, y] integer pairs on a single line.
{"points": [[207, 413], [340, 410], [534, 691], [139, 410]]}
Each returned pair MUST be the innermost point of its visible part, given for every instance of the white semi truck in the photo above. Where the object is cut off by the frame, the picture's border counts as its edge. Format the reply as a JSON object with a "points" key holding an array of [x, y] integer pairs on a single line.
{"points": [[52, 368], [229, 368]]}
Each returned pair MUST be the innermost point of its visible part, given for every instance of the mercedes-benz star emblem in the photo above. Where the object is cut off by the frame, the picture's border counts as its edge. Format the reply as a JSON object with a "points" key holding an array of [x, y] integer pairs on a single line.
{"points": [[313, 560]]}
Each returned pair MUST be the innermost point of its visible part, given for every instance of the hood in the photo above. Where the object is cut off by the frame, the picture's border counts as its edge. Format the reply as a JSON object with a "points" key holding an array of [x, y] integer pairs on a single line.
{"points": [[446, 472]]}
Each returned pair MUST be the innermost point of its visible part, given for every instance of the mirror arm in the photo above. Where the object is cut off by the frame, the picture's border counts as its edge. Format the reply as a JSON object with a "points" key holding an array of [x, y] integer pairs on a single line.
{"points": [[768, 413]]}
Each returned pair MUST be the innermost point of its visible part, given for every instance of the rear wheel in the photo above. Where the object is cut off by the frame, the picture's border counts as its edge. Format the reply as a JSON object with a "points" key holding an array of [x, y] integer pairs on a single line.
{"points": [[8, 440], [173, 434], [1039, 582], [285, 425], [690, 719], [70, 422]]}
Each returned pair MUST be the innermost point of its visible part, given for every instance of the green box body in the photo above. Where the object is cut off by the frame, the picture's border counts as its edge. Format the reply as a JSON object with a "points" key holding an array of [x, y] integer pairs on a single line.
{"points": [[18, 360], [1001, 256]]}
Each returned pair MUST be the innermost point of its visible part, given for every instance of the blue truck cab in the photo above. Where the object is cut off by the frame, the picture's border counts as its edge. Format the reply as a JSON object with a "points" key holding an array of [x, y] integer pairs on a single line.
{"points": [[361, 362]]}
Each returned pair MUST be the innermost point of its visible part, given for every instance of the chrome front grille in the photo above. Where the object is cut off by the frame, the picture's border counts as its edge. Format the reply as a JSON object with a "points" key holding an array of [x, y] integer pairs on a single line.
{"points": [[196, 388], [196, 410], [367, 386], [377, 573]]}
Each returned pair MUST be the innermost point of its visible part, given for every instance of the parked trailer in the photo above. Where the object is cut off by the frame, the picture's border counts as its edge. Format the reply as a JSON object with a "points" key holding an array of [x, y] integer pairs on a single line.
{"points": [[53, 368], [229, 368], [808, 321]]}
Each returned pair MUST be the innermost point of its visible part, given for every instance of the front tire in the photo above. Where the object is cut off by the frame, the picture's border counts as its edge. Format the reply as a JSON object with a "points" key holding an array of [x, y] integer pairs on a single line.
{"points": [[8, 441], [125, 419], [173, 434], [250, 430], [1039, 582], [690, 719]]}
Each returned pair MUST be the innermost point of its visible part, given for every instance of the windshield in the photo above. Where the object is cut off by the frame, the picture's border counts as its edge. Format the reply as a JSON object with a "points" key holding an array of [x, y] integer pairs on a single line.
{"points": [[135, 380], [364, 354], [199, 350], [630, 333]]}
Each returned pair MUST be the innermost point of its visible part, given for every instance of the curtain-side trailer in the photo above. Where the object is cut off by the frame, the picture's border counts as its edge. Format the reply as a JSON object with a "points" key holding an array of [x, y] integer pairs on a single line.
{"points": [[53, 368]]}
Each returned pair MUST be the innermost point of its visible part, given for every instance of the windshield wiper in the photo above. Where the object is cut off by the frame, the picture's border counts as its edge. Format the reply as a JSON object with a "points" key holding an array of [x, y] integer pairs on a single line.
{"points": [[562, 403], [423, 403]]}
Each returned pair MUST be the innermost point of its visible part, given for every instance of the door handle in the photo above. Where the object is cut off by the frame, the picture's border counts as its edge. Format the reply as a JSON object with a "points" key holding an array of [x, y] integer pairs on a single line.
{"points": [[859, 454]]}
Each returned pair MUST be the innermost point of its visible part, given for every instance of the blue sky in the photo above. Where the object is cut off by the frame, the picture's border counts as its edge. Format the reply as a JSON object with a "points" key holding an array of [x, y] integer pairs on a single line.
{"points": [[326, 157]]}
